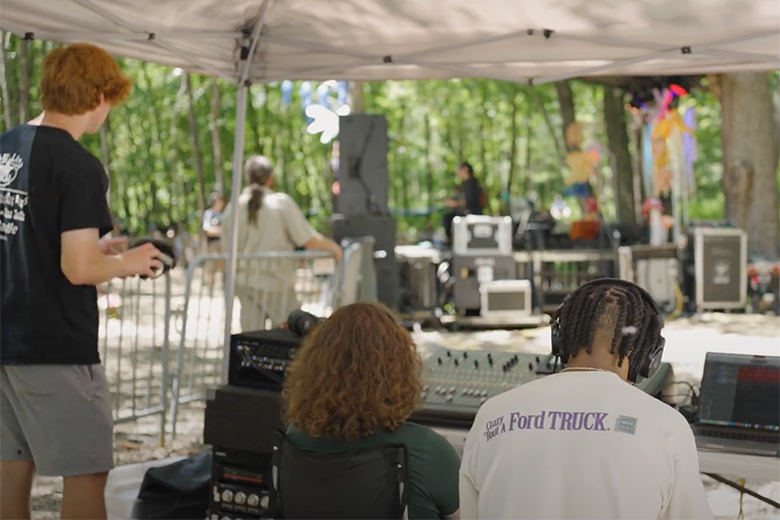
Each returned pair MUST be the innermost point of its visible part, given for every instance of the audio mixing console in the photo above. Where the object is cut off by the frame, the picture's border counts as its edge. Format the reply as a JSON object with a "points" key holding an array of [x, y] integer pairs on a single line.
{"points": [[456, 383]]}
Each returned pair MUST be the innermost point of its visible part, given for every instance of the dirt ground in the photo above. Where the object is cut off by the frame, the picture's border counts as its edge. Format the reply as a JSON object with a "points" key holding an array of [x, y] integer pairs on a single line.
{"points": [[688, 341]]}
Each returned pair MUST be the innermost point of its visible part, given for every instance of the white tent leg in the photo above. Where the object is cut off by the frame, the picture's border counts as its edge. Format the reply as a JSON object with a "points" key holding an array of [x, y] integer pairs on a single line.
{"points": [[230, 268]]}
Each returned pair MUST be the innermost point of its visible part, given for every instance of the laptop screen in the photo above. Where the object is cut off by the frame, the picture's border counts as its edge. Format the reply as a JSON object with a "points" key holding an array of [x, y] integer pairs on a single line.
{"points": [[740, 391]]}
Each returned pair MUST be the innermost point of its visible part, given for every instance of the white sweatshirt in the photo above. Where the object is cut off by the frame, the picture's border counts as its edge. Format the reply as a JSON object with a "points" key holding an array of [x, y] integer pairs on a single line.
{"points": [[580, 445]]}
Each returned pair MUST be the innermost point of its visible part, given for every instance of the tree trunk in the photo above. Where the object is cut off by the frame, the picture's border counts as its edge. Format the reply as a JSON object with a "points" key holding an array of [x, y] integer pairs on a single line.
{"points": [[513, 132], [566, 102], [4, 91], [24, 83], [550, 127], [105, 156], [195, 144], [428, 163], [215, 134], [617, 137], [529, 182], [257, 144], [355, 94], [482, 159], [750, 159]]}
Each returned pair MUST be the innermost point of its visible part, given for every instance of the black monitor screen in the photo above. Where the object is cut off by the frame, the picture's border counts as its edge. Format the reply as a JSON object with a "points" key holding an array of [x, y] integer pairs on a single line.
{"points": [[741, 391]]}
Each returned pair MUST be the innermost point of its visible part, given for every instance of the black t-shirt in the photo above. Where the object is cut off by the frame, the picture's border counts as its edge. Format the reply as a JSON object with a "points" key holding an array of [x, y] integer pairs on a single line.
{"points": [[472, 195], [49, 184]]}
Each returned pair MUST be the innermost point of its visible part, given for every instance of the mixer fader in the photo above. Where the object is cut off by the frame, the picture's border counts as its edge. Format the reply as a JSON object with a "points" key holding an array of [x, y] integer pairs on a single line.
{"points": [[456, 382]]}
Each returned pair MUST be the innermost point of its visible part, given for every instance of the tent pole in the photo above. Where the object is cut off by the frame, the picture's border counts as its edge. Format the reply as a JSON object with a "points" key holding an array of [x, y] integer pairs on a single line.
{"points": [[248, 49], [230, 268]]}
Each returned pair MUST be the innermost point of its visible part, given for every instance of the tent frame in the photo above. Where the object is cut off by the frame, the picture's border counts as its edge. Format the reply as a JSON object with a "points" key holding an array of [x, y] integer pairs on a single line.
{"points": [[250, 39]]}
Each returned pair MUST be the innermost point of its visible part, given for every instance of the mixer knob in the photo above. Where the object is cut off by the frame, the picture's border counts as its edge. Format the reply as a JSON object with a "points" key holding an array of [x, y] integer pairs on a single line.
{"points": [[227, 496], [439, 359], [425, 388], [484, 393], [253, 500], [516, 358], [452, 389], [264, 502], [465, 355], [456, 362], [537, 359], [483, 400], [240, 498], [476, 364], [490, 360], [449, 354], [217, 496], [449, 398], [465, 391], [530, 366]]}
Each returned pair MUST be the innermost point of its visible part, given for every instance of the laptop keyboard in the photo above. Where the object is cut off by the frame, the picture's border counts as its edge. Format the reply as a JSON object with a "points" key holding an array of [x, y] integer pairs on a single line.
{"points": [[770, 438]]}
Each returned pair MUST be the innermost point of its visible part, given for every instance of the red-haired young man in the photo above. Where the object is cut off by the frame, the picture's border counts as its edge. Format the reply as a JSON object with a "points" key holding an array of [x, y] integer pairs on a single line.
{"points": [[55, 416]]}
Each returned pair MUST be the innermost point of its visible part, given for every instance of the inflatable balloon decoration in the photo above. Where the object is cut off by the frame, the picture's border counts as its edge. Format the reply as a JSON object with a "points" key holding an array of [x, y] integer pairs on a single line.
{"points": [[667, 124], [581, 164], [669, 152]]}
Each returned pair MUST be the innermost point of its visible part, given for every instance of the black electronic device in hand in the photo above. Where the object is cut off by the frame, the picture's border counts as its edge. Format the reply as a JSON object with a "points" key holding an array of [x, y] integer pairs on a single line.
{"points": [[167, 254]]}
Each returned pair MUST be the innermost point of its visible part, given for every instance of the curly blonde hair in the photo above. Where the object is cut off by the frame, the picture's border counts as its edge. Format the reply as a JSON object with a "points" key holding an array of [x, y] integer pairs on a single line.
{"points": [[354, 375]]}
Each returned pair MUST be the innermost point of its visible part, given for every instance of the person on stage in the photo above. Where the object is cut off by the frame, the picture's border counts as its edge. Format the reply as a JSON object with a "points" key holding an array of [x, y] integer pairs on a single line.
{"points": [[55, 416], [353, 385], [585, 443], [468, 200], [268, 222]]}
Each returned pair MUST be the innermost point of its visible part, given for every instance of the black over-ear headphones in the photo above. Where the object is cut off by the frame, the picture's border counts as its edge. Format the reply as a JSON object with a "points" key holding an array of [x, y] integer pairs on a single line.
{"points": [[648, 366]]}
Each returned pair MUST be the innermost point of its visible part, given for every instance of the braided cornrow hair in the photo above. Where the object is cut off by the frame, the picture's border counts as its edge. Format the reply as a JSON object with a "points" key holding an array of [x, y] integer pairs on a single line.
{"points": [[618, 307]]}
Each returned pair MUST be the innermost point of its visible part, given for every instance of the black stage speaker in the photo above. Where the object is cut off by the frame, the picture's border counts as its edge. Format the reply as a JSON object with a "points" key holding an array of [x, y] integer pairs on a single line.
{"points": [[382, 228], [362, 171], [720, 257], [243, 419]]}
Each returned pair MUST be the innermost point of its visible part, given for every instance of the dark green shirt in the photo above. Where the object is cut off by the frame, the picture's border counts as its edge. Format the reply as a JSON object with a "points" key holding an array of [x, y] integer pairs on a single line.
{"points": [[433, 465]]}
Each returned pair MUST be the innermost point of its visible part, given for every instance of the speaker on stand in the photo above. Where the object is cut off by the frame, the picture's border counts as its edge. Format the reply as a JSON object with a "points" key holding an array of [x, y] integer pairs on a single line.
{"points": [[362, 199]]}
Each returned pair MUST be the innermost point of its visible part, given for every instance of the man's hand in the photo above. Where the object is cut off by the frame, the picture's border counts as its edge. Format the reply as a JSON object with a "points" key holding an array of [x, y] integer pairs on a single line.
{"points": [[107, 245], [142, 261], [338, 253]]}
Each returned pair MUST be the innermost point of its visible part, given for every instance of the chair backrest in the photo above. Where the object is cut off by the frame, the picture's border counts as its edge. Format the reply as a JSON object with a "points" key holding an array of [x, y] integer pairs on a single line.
{"points": [[364, 484]]}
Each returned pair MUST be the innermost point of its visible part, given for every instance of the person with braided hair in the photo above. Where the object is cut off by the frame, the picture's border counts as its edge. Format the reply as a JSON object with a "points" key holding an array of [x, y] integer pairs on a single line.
{"points": [[584, 442], [268, 222]]}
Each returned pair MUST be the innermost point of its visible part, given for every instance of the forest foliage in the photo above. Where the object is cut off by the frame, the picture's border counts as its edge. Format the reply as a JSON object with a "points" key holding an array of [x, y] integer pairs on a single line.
{"points": [[175, 134]]}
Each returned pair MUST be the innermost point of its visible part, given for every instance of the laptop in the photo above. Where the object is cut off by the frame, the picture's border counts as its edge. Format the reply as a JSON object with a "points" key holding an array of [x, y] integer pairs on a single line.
{"points": [[739, 405]]}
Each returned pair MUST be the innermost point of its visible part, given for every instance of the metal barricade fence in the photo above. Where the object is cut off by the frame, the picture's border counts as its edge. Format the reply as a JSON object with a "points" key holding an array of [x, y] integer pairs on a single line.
{"points": [[134, 343], [161, 340], [268, 287]]}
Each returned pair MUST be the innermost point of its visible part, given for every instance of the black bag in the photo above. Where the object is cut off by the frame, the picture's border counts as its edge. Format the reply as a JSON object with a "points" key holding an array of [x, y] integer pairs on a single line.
{"points": [[176, 491]]}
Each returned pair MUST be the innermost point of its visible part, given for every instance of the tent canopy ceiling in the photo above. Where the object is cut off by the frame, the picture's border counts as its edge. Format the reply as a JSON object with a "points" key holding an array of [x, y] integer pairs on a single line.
{"points": [[532, 41]]}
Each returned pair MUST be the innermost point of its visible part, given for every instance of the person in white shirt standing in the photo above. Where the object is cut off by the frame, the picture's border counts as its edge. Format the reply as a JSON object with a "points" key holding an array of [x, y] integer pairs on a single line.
{"points": [[585, 443]]}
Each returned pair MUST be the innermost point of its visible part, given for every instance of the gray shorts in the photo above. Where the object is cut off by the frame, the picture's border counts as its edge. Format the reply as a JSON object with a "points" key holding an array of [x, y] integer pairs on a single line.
{"points": [[58, 416]]}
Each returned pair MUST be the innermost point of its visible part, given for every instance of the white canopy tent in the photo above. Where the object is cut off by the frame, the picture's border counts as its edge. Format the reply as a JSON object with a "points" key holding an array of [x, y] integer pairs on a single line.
{"points": [[530, 41]]}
